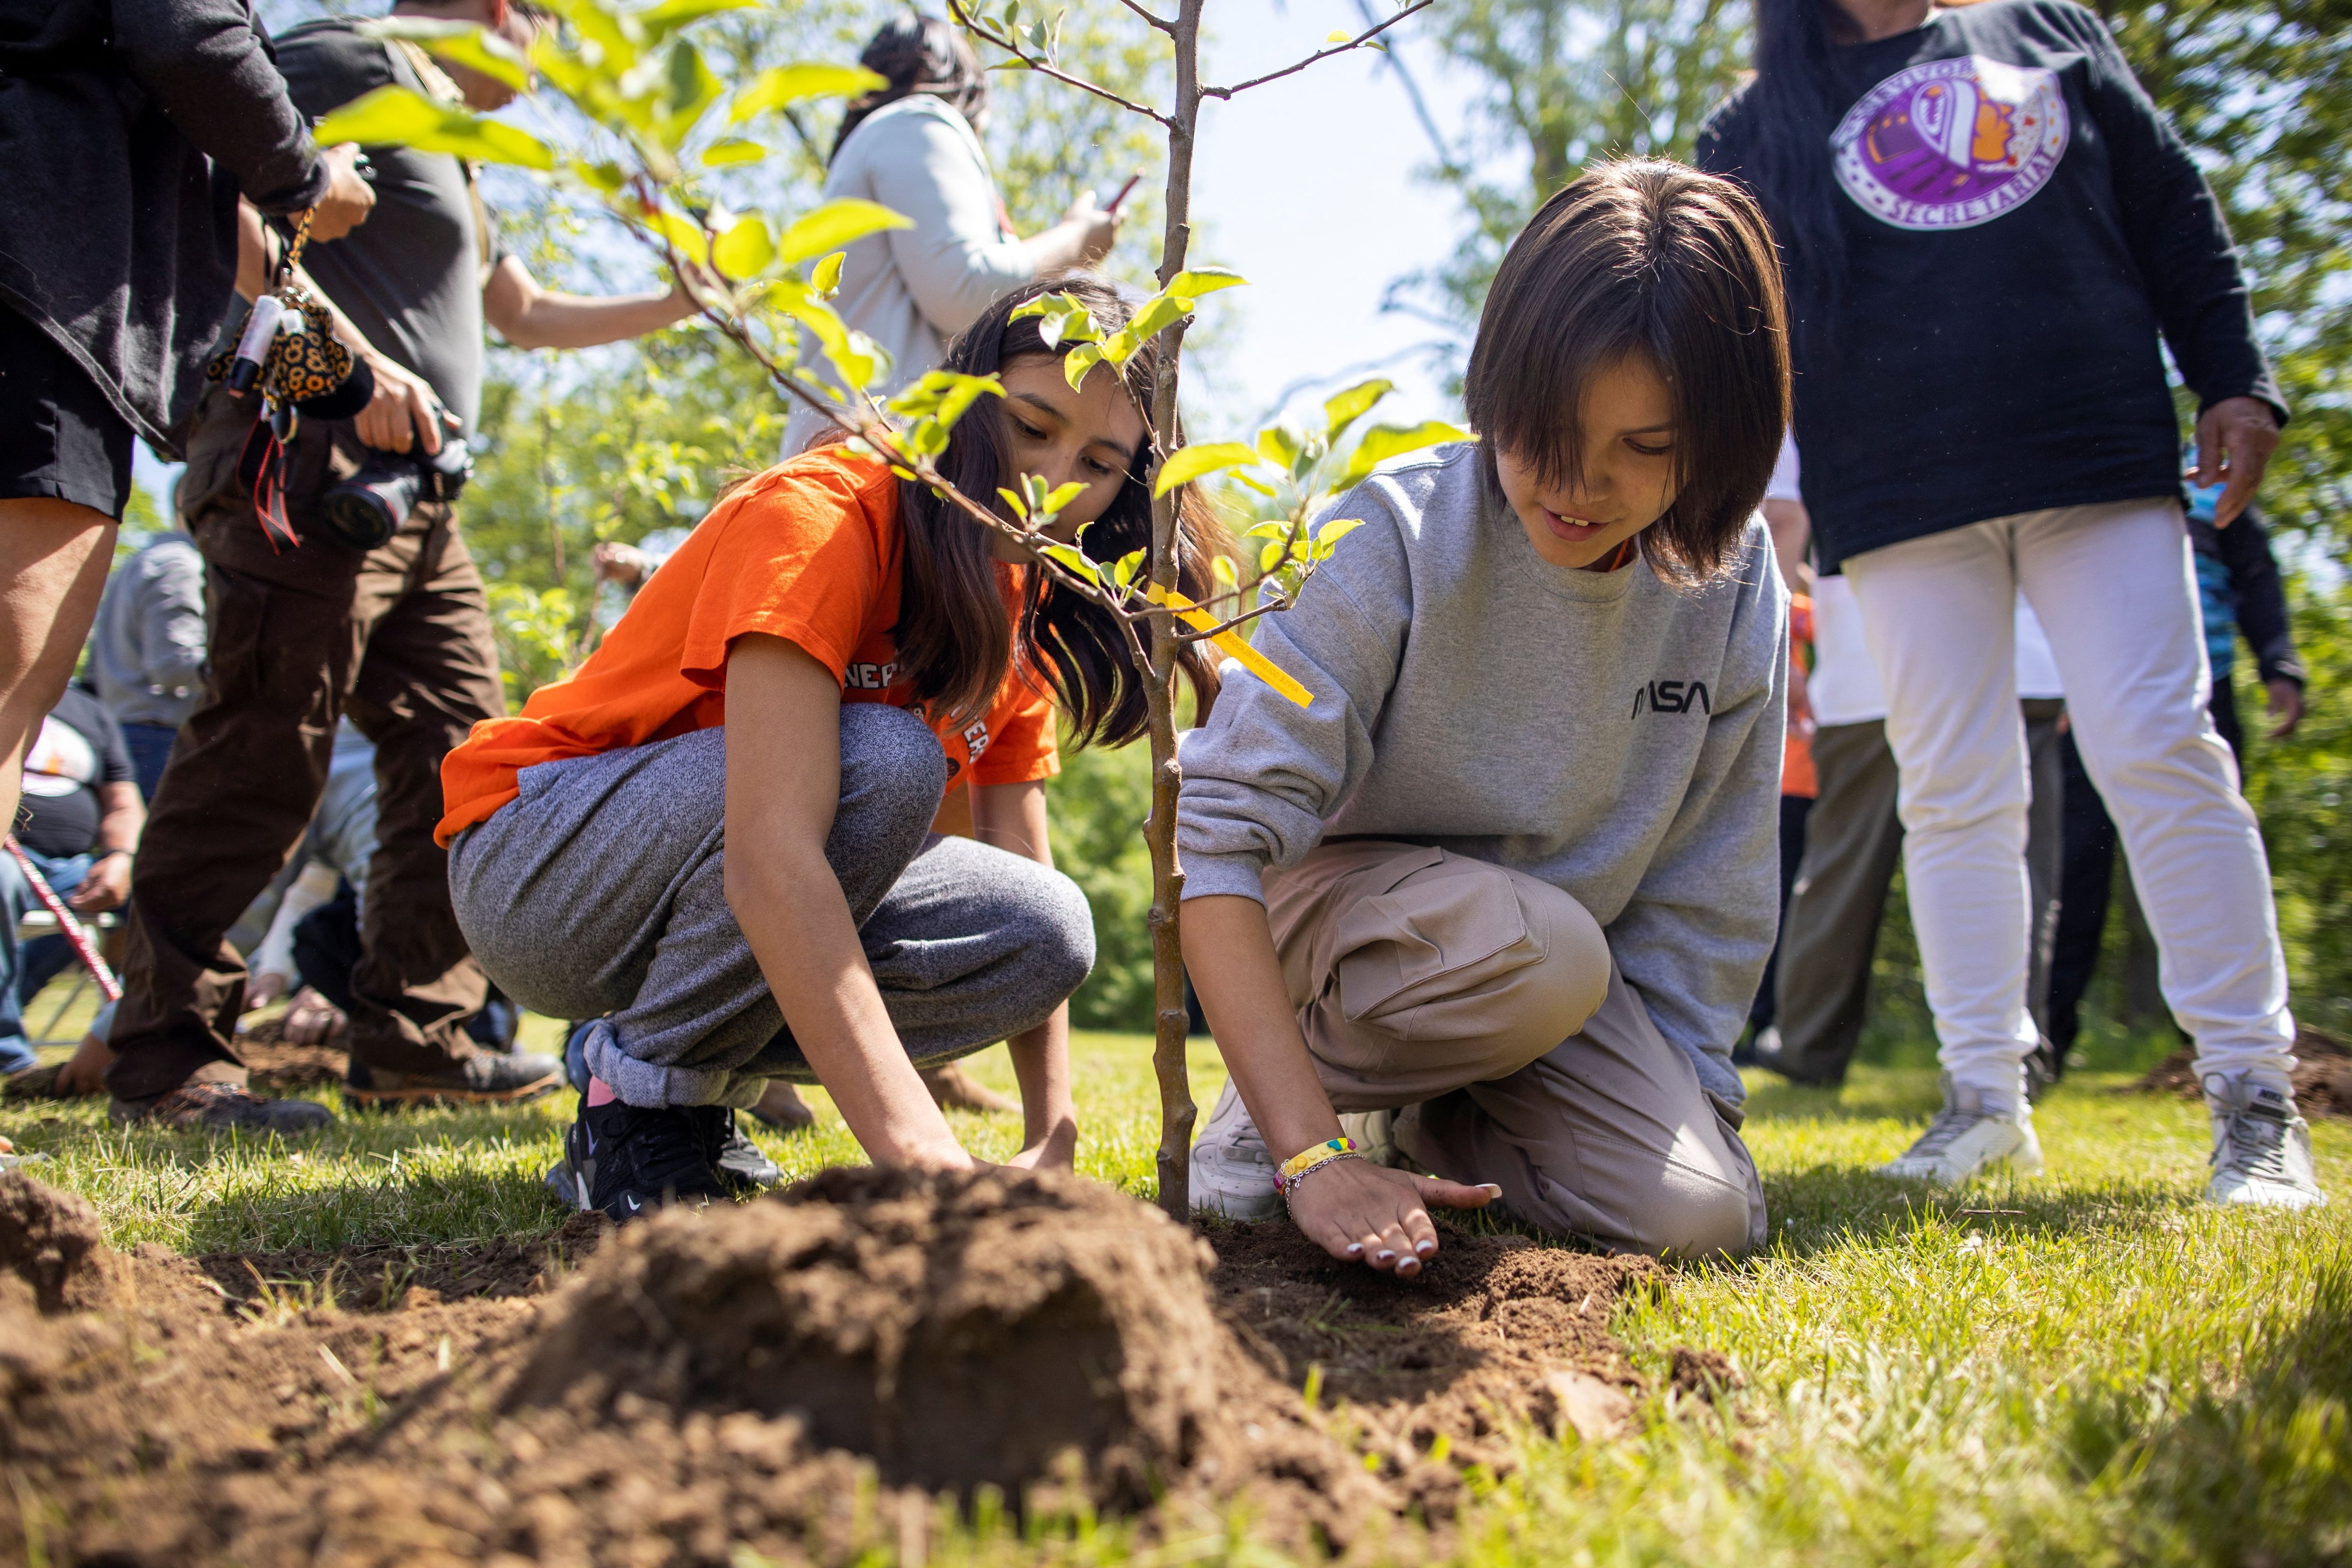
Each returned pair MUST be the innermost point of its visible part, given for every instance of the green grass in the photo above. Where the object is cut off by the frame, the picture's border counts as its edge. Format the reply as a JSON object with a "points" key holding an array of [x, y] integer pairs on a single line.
{"points": [[2089, 1367]]}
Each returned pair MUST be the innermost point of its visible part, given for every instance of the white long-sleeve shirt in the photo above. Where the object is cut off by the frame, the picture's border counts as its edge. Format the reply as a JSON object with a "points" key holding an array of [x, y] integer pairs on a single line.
{"points": [[912, 290]]}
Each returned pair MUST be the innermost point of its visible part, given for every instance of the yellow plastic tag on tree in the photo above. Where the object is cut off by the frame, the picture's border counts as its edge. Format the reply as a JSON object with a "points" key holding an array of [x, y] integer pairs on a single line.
{"points": [[1230, 643]]}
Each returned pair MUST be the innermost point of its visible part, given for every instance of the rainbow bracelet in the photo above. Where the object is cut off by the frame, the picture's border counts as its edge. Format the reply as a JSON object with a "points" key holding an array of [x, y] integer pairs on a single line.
{"points": [[1296, 1168]]}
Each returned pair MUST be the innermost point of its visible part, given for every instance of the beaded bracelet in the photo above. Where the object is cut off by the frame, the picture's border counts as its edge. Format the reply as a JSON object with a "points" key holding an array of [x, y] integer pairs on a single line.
{"points": [[1296, 1168]]}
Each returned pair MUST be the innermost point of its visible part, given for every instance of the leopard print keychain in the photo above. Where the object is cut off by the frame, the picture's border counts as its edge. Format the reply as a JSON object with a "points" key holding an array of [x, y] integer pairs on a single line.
{"points": [[288, 351]]}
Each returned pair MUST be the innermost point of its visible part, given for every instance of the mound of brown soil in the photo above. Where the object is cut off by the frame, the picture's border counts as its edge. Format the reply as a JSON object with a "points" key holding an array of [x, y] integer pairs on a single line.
{"points": [[959, 1336], [2323, 1075], [808, 1378]]}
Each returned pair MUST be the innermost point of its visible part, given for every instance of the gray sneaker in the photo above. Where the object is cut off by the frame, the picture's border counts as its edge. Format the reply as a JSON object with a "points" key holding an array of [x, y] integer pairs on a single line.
{"points": [[1232, 1172], [1968, 1135], [2261, 1149]]}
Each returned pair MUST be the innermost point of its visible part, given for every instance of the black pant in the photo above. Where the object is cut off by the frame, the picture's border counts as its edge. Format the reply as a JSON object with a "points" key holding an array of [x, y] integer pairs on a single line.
{"points": [[1795, 809]]}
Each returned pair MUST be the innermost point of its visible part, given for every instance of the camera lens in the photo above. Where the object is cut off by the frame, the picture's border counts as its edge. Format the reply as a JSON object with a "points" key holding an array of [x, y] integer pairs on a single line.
{"points": [[364, 515]]}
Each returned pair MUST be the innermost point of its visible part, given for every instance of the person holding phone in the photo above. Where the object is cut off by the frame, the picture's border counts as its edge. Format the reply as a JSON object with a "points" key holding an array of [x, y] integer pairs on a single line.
{"points": [[915, 147]]}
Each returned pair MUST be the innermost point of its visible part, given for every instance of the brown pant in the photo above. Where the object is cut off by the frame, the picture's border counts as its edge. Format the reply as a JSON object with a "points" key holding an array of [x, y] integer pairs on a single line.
{"points": [[1487, 1002], [399, 638]]}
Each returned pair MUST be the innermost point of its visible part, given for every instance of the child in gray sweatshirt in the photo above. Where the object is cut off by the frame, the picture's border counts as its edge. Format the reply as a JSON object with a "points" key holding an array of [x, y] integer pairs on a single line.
{"points": [[1495, 903]]}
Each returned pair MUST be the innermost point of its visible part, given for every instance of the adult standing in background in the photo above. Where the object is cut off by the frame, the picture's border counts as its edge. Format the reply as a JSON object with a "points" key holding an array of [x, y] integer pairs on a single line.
{"points": [[915, 147], [1989, 228], [127, 131], [393, 630], [147, 651]]}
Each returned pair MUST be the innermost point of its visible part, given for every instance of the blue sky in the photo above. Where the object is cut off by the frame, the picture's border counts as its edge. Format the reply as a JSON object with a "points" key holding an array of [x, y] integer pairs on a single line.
{"points": [[1307, 189]]}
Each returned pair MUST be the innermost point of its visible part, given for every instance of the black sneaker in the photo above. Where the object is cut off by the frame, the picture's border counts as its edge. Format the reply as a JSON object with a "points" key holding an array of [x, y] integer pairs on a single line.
{"points": [[628, 1159], [739, 1164], [484, 1078]]}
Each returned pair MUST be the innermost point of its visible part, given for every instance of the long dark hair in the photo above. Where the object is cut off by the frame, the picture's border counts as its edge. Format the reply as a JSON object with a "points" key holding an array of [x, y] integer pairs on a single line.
{"points": [[1651, 259], [918, 54], [1794, 104], [955, 642]]}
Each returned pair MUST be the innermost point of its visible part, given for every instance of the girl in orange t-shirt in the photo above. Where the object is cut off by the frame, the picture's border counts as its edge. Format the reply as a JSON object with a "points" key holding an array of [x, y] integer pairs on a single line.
{"points": [[713, 840]]}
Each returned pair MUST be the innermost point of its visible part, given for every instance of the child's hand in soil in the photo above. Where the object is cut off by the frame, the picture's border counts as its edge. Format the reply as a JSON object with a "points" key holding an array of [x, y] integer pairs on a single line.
{"points": [[1353, 1208]]}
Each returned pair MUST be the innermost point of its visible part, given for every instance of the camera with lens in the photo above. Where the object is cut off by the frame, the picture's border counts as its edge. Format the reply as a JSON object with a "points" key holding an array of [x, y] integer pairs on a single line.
{"points": [[368, 509]]}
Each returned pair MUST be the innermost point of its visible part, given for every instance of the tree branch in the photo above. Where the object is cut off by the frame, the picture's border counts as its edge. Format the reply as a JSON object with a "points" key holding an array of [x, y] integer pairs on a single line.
{"points": [[1163, 23], [1357, 42], [1190, 633], [1030, 62]]}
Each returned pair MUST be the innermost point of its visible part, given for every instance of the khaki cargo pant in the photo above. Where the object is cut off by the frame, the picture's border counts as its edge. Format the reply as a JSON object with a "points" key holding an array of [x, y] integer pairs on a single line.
{"points": [[1487, 1002]]}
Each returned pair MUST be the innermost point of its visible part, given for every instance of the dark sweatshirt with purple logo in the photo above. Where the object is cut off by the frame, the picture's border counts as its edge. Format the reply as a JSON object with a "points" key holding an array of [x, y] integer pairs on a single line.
{"points": [[2022, 226]]}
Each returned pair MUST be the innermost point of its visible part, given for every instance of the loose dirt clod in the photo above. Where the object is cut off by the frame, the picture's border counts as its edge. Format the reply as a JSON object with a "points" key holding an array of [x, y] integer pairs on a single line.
{"points": [[47, 1238], [2323, 1075], [805, 1378]]}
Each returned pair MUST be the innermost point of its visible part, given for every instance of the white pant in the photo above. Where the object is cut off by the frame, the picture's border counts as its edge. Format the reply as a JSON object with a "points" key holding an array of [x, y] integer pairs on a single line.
{"points": [[2115, 587]]}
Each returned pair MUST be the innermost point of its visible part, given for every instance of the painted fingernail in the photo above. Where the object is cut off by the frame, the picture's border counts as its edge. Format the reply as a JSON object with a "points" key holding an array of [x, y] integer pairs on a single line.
{"points": [[1385, 1254], [1424, 1248], [1408, 1267], [1354, 1248]]}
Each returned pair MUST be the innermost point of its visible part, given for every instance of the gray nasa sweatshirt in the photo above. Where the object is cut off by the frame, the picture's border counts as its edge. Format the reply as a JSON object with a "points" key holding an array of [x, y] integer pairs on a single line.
{"points": [[1612, 735]]}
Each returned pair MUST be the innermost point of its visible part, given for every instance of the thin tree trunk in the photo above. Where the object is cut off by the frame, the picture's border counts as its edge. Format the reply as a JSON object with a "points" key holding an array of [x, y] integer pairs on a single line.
{"points": [[1170, 1021]]}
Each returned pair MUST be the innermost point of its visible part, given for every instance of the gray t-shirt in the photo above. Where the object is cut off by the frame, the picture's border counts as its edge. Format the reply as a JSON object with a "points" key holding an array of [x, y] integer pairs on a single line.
{"points": [[411, 276]]}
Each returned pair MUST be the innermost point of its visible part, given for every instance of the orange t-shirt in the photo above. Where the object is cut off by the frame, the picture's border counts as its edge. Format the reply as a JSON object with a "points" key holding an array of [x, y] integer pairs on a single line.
{"points": [[1797, 776], [808, 552]]}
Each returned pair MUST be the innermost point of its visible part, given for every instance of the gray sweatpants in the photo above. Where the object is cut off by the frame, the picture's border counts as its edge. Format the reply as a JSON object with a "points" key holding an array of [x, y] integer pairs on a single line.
{"points": [[600, 894]]}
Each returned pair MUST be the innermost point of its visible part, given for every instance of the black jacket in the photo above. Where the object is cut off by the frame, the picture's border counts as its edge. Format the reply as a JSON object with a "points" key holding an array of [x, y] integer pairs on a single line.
{"points": [[2022, 226], [127, 128]]}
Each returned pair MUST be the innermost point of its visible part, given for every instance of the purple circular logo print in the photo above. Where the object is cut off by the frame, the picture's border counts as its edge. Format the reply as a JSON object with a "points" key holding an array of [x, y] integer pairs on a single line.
{"points": [[1952, 143]]}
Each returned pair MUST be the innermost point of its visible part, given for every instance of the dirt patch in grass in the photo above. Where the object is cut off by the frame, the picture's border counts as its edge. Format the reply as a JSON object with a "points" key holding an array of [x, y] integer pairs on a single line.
{"points": [[843, 1368], [2323, 1075], [273, 1064]]}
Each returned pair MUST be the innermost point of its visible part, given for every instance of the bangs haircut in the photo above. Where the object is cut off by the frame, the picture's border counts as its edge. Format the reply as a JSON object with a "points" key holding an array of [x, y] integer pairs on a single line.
{"points": [[1650, 261]]}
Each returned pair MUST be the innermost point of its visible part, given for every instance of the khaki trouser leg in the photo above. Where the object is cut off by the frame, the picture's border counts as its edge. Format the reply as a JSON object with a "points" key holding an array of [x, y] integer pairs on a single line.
{"points": [[1489, 1000]]}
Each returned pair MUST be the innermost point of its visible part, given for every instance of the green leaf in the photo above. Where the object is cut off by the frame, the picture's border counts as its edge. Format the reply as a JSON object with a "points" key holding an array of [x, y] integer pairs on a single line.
{"points": [[1221, 569], [779, 86], [394, 116], [1078, 362], [745, 250], [1280, 528], [1382, 442], [1159, 313], [1012, 499], [825, 277], [660, 21], [605, 177], [1272, 556], [684, 235], [1122, 571], [1260, 485], [839, 223], [693, 88], [1074, 561], [1280, 445], [856, 358], [1328, 536], [1196, 281], [945, 395], [1062, 496], [1193, 462], [732, 150], [466, 43], [1342, 409]]}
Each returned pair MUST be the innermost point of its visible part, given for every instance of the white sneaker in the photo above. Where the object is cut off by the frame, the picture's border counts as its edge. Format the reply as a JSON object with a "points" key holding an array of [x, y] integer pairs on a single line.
{"points": [[1233, 1173], [1374, 1132], [2261, 1149], [1966, 1136]]}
